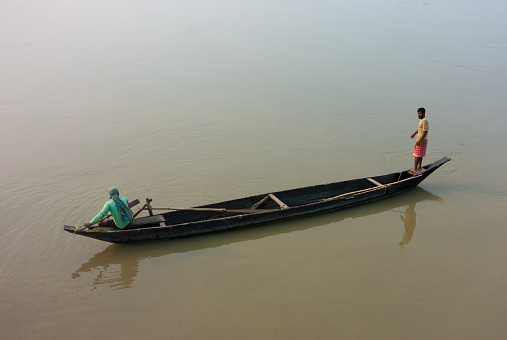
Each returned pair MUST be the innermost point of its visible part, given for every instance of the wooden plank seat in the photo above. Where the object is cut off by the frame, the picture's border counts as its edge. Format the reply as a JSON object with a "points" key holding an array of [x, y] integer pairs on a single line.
{"points": [[374, 182]]}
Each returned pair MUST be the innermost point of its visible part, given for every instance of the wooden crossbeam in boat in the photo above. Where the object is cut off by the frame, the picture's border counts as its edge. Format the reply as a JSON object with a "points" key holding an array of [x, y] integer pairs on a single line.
{"points": [[256, 205], [374, 182], [274, 198], [277, 200]]}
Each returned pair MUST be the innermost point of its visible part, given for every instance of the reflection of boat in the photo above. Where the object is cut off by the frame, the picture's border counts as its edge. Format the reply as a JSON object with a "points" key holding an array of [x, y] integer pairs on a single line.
{"points": [[118, 265], [261, 209]]}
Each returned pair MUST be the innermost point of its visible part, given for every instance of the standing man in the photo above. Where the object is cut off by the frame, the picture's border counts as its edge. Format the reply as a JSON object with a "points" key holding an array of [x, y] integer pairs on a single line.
{"points": [[119, 209], [421, 141]]}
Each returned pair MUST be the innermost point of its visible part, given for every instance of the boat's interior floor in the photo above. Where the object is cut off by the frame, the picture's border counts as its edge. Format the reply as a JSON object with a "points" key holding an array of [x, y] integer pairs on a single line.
{"points": [[265, 203], [414, 173]]}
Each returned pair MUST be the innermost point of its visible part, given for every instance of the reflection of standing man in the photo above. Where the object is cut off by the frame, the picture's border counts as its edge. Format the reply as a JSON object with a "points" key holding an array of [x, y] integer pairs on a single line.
{"points": [[409, 220]]}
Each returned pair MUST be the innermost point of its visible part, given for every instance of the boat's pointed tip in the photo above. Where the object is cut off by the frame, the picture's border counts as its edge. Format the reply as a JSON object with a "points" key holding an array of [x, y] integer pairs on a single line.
{"points": [[72, 228], [443, 160]]}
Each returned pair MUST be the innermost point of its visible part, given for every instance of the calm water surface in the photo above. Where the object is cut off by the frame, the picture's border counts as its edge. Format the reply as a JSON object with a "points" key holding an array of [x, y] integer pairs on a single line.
{"points": [[193, 102]]}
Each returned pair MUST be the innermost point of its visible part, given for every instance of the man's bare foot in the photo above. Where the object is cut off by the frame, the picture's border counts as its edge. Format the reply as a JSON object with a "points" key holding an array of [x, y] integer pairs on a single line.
{"points": [[413, 170]]}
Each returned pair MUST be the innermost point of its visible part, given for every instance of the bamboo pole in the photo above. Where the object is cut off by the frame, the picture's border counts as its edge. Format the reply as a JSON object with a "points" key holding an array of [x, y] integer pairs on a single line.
{"points": [[370, 189], [238, 211]]}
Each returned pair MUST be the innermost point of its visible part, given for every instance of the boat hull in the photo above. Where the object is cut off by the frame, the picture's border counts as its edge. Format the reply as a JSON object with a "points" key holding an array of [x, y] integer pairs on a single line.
{"points": [[301, 202]]}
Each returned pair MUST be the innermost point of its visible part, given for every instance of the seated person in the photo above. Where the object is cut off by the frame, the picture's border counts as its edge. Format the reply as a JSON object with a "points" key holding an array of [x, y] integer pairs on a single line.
{"points": [[119, 209]]}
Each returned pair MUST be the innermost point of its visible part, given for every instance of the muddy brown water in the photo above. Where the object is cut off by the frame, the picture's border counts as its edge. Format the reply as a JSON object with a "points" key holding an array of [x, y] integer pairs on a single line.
{"points": [[191, 103]]}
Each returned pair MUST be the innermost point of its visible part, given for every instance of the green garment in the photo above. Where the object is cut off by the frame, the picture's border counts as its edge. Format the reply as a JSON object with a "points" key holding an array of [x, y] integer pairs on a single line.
{"points": [[110, 206]]}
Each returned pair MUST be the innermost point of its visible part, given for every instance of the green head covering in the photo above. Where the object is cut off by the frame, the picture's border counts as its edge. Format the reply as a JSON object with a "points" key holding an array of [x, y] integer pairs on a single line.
{"points": [[113, 191]]}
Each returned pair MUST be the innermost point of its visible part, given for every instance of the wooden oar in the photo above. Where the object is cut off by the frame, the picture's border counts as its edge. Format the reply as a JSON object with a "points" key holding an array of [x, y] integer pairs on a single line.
{"points": [[139, 211]]}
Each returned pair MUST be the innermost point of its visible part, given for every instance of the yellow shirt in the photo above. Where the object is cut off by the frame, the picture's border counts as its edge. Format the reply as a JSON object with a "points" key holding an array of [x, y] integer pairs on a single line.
{"points": [[423, 126]]}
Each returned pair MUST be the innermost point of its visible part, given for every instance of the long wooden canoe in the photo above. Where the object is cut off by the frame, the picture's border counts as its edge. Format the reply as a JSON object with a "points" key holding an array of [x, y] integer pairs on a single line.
{"points": [[261, 209]]}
